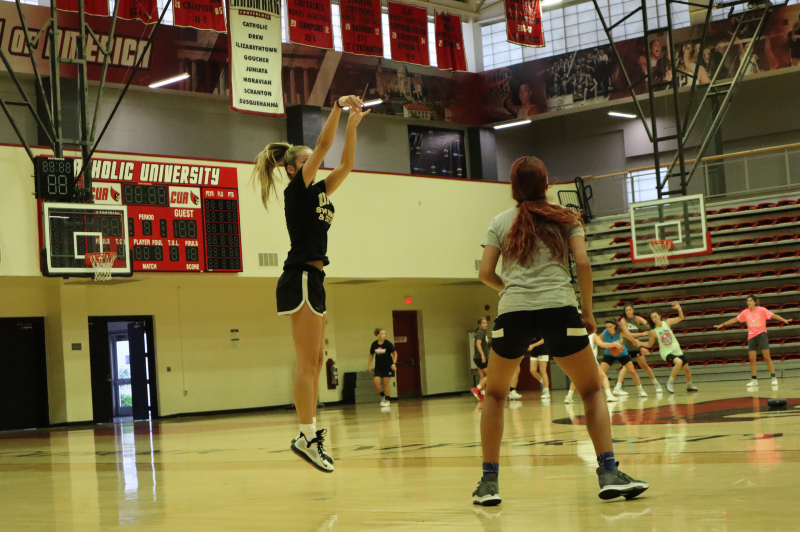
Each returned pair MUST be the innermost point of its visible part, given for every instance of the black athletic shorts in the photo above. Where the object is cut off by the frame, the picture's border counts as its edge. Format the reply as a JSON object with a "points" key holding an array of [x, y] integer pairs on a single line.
{"points": [[481, 364], [611, 361], [671, 358], [299, 285], [383, 371], [561, 328]]}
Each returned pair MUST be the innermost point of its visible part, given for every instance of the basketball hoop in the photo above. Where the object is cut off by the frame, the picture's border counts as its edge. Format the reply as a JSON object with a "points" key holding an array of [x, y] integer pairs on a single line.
{"points": [[498, 84], [102, 263], [660, 251]]}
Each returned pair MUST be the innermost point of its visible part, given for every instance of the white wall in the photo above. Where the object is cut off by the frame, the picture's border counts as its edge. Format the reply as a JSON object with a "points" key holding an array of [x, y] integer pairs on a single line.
{"points": [[420, 235]]}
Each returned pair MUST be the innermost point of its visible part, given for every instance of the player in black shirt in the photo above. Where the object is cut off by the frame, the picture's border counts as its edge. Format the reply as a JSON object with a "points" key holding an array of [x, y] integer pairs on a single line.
{"points": [[385, 364], [300, 292]]}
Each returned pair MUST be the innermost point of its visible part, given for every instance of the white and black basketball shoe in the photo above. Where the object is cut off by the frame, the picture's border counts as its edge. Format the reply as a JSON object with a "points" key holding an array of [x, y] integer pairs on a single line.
{"points": [[313, 451]]}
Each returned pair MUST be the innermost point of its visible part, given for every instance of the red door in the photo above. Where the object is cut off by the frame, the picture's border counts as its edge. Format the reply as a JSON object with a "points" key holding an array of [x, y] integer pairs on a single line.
{"points": [[406, 341]]}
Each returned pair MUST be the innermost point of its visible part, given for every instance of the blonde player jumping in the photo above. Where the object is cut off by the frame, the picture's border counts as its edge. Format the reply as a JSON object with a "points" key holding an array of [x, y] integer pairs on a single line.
{"points": [[300, 292]]}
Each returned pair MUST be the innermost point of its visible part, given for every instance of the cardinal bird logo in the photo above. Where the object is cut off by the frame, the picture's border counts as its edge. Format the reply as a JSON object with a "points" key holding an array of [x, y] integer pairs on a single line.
{"points": [[114, 194], [195, 199]]}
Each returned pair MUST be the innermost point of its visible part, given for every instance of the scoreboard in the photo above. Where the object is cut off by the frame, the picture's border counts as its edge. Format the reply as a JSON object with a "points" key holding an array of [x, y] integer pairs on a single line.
{"points": [[181, 218]]}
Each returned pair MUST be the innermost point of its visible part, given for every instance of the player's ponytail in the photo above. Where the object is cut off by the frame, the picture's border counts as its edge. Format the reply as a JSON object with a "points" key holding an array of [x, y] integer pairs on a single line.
{"points": [[267, 161], [538, 221]]}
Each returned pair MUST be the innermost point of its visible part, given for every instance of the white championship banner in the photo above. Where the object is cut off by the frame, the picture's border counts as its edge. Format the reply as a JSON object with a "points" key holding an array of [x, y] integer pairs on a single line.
{"points": [[255, 57]]}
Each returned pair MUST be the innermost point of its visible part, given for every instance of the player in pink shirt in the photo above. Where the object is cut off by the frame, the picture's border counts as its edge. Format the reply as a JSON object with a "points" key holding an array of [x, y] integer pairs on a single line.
{"points": [[756, 318]]}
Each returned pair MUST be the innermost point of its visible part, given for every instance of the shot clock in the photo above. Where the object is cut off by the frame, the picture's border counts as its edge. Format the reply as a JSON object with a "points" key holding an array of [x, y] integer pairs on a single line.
{"points": [[54, 178]]}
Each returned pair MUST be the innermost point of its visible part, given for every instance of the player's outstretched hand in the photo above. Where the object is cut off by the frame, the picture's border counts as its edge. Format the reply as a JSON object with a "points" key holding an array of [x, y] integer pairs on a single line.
{"points": [[588, 321], [351, 101], [676, 305], [719, 326], [356, 114]]}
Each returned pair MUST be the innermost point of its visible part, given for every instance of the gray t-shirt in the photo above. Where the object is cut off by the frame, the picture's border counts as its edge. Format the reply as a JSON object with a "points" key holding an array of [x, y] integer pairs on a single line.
{"points": [[545, 284], [480, 337]]}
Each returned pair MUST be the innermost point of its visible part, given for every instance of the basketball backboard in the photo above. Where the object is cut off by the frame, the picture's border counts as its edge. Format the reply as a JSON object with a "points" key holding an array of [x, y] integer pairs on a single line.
{"points": [[681, 220], [70, 231]]}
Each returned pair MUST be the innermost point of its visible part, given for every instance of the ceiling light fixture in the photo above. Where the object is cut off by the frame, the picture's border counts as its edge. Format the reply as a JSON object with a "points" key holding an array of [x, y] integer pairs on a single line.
{"points": [[618, 114], [368, 103], [169, 80], [512, 124]]}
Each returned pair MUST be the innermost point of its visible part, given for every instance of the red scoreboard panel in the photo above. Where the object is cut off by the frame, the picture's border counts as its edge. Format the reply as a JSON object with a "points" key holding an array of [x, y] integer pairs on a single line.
{"points": [[181, 218]]}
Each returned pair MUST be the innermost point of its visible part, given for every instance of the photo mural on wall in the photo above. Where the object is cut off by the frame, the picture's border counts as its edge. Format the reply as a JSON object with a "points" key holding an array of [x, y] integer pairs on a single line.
{"points": [[526, 89]]}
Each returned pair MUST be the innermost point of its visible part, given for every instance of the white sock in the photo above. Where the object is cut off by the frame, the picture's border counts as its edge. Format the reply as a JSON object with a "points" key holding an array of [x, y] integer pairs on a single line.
{"points": [[671, 379], [639, 388], [654, 380], [608, 392], [547, 389], [569, 394], [308, 430], [479, 387], [314, 421]]}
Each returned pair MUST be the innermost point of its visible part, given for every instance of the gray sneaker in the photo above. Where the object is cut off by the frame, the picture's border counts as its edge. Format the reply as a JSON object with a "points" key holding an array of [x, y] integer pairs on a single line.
{"points": [[615, 484], [488, 491]]}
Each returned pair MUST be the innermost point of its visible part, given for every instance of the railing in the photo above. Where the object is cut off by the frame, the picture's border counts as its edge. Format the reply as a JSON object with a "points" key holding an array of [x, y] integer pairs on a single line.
{"points": [[724, 176]]}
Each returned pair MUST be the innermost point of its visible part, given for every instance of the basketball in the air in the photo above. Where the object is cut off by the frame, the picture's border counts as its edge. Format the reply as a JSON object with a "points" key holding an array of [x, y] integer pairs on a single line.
{"points": [[615, 350]]}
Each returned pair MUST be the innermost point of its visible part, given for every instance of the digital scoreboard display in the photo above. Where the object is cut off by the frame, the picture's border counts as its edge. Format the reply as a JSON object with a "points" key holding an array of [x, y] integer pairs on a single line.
{"points": [[181, 218]]}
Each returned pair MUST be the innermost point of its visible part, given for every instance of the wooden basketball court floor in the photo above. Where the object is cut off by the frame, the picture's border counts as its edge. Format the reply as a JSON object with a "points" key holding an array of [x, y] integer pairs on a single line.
{"points": [[715, 460]]}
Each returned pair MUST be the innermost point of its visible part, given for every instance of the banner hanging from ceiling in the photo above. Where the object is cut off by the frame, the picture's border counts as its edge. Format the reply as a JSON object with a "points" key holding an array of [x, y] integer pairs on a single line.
{"points": [[450, 43], [144, 10], [361, 27], [200, 14], [91, 7], [408, 26], [255, 57], [524, 22], [311, 23]]}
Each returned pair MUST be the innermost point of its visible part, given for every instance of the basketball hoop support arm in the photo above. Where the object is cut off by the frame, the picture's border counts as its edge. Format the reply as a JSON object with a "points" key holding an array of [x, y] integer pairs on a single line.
{"points": [[88, 158], [713, 90]]}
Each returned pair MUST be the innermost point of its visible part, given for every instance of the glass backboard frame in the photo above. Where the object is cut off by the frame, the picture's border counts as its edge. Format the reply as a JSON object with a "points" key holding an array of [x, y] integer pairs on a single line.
{"points": [[644, 229], [80, 267]]}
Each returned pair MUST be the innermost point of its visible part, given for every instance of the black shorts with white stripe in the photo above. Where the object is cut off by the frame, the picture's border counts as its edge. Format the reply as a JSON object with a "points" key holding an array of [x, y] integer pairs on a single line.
{"points": [[300, 285], [561, 328]]}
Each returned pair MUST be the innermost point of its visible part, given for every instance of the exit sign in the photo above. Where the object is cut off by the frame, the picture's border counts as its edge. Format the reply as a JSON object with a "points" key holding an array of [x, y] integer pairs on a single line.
{"points": [[408, 300]]}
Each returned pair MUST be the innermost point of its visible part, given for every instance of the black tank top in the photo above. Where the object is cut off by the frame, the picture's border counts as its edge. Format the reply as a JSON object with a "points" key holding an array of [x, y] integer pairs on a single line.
{"points": [[309, 215]]}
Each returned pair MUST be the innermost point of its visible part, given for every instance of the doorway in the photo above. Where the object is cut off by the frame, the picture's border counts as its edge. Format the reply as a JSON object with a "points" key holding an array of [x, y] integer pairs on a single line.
{"points": [[406, 341], [23, 374], [123, 367]]}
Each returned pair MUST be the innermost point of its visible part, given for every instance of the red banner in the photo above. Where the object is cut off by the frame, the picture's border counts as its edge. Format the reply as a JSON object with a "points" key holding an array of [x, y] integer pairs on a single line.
{"points": [[311, 23], [409, 34], [200, 14], [450, 43], [91, 7], [144, 10], [524, 22], [361, 27]]}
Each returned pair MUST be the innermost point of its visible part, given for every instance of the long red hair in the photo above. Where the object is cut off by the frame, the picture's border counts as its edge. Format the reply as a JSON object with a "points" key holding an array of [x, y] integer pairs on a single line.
{"points": [[538, 222]]}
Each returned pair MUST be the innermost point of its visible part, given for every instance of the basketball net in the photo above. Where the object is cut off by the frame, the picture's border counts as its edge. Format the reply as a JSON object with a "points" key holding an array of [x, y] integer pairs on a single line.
{"points": [[102, 262], [498, 84], [660, 251]]}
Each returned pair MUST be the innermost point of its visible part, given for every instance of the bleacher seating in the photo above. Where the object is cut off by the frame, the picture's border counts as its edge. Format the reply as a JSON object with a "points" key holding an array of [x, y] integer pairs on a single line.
{"points": [[755, 250]]}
